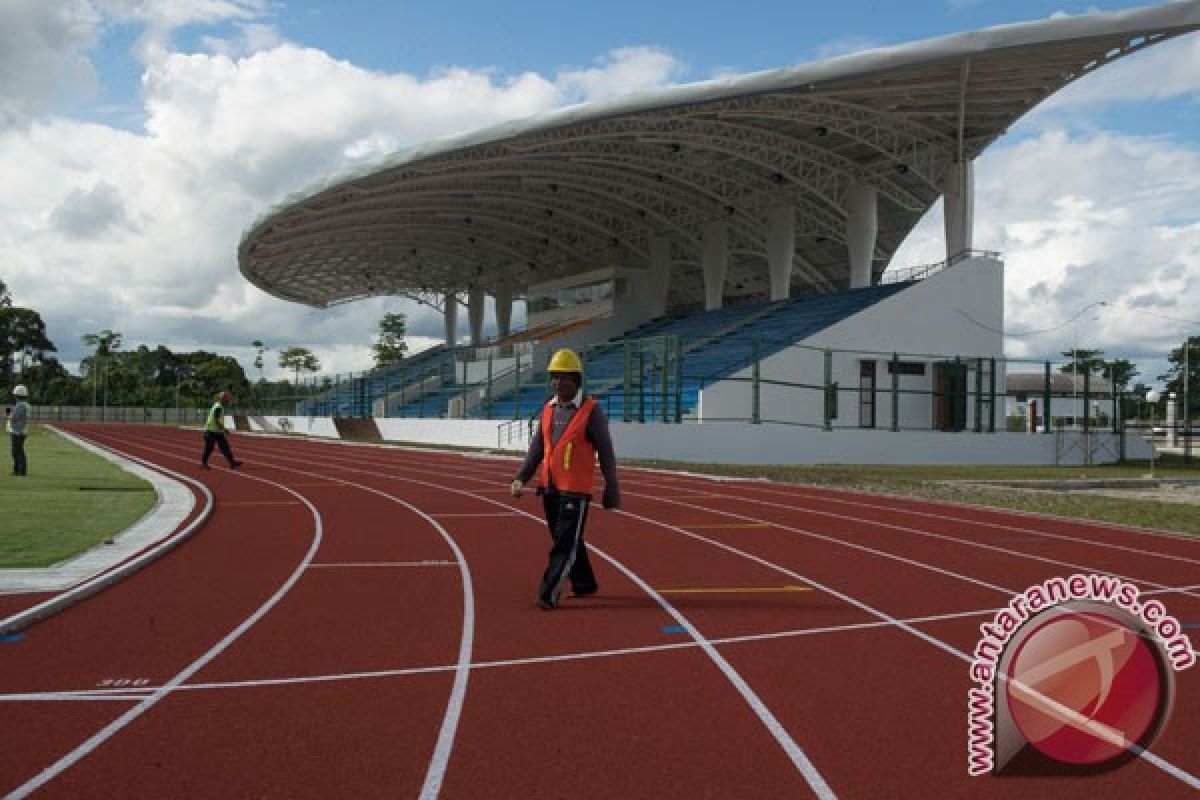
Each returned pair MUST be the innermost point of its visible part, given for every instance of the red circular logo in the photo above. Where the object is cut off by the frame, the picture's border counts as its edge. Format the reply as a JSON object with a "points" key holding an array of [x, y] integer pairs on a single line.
{"points": [[1084, 688]]}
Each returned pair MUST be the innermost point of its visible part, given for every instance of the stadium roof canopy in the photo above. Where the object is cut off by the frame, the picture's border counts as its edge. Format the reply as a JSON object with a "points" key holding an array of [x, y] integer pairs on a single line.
{"points": [[589, 186]]}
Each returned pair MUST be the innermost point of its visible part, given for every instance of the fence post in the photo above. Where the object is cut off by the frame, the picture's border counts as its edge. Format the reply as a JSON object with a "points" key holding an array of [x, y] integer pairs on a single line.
{"points": [[641, 383], [666, 379], [678, 380], [421, 393], [1046, 401], [755, 416], [1114, 401], [517, 384], [895, 391], [979, 395], [1087, 400], [992, 395], [627, 405], [488, 391], [830, 391]]}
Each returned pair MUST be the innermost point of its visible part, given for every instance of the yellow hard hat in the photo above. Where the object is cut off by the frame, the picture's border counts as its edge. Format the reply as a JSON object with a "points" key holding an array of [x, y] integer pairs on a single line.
{"points": [[565, 361]]}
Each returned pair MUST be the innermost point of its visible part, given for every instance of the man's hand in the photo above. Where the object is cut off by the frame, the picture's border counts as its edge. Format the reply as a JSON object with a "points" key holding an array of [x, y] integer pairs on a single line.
{"points": [[517, 486]]}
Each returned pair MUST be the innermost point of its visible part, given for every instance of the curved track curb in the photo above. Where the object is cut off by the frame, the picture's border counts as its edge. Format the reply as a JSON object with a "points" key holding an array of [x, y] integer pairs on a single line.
{"points": [[110, 576]]}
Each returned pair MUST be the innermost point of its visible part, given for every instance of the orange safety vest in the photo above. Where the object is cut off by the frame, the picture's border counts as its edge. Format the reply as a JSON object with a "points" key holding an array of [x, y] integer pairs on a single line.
{"points": [[572, 462]]}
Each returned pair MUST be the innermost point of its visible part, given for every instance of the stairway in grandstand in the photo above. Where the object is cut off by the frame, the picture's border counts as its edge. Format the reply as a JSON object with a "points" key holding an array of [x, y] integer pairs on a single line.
{"points": [[354, 396], [714, 345]]}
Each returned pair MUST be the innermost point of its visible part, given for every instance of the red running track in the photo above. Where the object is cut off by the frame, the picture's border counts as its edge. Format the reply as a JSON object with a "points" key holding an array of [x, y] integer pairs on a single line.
{"points": [[355, 621]]}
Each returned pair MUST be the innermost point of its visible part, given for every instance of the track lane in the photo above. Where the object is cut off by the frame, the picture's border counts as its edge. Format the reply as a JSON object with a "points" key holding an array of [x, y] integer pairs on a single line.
{"points": [[214, 727], [824, 672], [534, 524], [959, 716]]}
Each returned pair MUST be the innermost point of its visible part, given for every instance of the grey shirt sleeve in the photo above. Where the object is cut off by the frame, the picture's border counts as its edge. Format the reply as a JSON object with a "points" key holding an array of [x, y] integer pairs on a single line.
{"points": [[597, 432], [533, 456]]}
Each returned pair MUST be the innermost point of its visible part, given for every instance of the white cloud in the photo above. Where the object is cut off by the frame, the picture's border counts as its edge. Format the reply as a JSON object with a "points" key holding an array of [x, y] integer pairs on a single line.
{"points": [[621, 71], [137, 232], [41, 56], [161, 19], [1081, 219]]}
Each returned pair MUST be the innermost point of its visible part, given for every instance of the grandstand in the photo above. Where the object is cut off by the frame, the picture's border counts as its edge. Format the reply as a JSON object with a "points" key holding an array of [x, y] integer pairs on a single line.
{"points": [[717, 251]]}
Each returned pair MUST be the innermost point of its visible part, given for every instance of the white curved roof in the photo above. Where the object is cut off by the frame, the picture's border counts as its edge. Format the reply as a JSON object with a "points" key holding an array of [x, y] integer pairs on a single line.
{"points": [[588, 186]]}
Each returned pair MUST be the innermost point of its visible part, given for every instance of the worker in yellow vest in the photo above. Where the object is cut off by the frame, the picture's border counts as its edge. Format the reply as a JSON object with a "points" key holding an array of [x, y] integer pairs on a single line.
{"points": [[214, 431], [572, 433]]}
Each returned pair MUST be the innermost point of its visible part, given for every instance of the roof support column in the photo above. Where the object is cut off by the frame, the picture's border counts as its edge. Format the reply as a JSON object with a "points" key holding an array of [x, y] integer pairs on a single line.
{"points": [[450, 316], [503, 298], [658, 281], [959, 210], [781, 247], [475, 314], [715, 261], [862, 226]]}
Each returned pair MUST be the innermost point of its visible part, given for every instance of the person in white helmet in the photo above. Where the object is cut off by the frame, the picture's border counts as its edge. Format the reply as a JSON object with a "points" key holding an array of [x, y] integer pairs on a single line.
{"points": [[18, 428]]}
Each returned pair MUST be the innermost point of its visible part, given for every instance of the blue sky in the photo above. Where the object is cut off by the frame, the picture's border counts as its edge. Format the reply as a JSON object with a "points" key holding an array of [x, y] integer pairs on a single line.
{"points": [[139, 139]]}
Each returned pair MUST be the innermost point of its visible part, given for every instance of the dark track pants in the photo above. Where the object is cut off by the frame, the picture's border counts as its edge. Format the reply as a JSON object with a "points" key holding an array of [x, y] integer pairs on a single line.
{"points": [[18, 453], [219, 440], [566, 517]]}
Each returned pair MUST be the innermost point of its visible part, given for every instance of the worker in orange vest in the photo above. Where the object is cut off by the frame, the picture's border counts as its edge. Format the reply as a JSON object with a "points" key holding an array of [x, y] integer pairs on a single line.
{"points": [[572, 432]]}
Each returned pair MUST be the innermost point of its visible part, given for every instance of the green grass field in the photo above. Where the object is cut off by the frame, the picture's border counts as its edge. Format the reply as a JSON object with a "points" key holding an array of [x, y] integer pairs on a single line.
{"points": [[70, 501], [948, 483]]}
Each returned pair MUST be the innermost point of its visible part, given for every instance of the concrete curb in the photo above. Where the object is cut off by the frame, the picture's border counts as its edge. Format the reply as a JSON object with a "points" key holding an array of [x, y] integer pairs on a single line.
{"points": [[149, 538]]}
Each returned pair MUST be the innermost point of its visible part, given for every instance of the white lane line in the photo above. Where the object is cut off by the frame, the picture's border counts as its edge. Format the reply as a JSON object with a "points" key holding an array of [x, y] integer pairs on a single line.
{"points": [[772, 723], [368, 564], [445, 741], [478, 514], [799, 759], [258, 683], [1008, 551], [1109, 527], [80, 752], [1157, 761]]}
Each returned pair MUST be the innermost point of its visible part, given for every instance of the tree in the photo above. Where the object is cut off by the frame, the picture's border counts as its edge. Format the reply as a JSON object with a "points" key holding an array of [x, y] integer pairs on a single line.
{"points": [[1081, 361], [299, 358], [390, 347], [103, 345], [1120, 372], [22, 331], [1179, 359], [5, 297]]}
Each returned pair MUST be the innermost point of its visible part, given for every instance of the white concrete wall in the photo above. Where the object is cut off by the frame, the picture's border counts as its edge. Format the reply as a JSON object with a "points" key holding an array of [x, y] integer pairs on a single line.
{"points": [[744, 443], [307, 426], [459, 432], [930, 317]]}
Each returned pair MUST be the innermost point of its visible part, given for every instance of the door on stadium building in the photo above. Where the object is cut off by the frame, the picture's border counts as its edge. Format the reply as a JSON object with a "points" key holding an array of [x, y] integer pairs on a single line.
{"points": [[950, 396]]}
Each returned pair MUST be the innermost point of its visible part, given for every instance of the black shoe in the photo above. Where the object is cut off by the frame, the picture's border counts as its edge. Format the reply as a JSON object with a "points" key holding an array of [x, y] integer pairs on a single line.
{"points": [[586, 592], [547, 603], [235, 465]]}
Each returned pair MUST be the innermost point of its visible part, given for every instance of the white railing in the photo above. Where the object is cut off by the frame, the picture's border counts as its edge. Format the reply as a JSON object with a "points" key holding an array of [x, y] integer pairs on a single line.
{"points": [[923, 271]]}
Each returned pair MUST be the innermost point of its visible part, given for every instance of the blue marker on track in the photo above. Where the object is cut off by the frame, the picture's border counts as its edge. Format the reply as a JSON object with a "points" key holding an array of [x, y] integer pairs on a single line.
{"points": [[11, 637], [674, 629]]}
